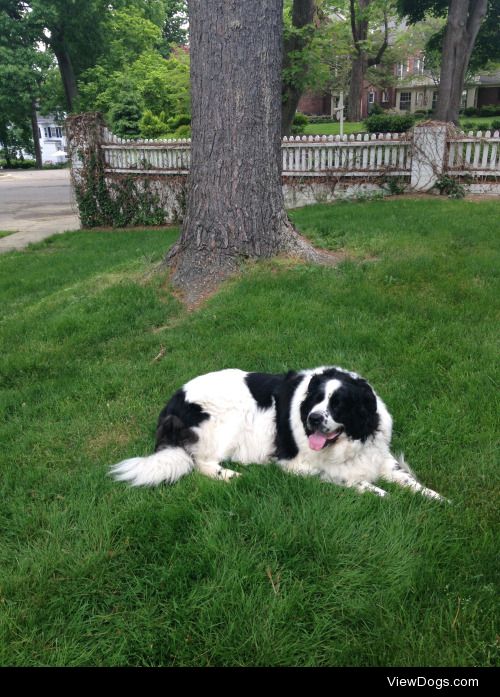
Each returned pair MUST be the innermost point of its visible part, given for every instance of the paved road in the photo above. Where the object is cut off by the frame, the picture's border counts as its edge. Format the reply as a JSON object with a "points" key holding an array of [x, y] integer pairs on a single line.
{"points": [[37, 204]]}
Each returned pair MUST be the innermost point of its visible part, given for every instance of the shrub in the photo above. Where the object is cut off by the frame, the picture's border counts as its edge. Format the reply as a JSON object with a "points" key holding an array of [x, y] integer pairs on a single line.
{"points": [[495, 125], [320, 119], [183, 131], [375, 109], [176, 121], [471, 111], [389, 123], [450, 186], [152, 126], [469, 126], [489, 110], [298, 124], [19, 164]]}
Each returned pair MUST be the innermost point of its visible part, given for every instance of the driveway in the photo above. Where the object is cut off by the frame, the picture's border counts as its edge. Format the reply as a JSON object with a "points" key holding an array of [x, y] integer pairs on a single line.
{"points": [[36, 204]]}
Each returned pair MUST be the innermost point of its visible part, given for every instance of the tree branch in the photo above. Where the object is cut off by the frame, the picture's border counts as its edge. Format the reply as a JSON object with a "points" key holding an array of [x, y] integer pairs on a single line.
{"points": [[380, 52]]}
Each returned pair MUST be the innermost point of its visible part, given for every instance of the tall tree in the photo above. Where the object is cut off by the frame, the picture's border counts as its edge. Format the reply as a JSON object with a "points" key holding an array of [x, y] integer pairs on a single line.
{"points": [[365, 54], [23, 70], [235, 206], [464, 18], [298, 35]]}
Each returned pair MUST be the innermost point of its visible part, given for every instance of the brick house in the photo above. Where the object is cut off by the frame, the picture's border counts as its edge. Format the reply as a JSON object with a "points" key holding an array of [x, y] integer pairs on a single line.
{"points": [[414, 90]]}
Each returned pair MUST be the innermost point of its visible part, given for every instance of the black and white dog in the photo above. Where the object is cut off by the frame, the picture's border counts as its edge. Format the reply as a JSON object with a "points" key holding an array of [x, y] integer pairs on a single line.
{"points": [[326, 421]]}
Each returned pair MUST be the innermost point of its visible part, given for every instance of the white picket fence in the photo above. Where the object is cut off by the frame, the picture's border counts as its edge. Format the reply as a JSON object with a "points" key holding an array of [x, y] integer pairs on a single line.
{"points": [[316, 156], [475, 154], [143, 156], [354, 155]]}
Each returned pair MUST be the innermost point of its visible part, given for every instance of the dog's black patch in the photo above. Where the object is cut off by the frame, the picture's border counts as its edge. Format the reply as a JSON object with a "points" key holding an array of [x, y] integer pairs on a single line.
{"points": [[176, 421], [315, 394], [286, 446], [262, 386], [354, 405]]}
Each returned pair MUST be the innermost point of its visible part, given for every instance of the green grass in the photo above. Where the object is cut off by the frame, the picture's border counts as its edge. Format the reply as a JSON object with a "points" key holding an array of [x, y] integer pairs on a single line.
{"points": [[269, 569], [333, 128], [4, 233]]}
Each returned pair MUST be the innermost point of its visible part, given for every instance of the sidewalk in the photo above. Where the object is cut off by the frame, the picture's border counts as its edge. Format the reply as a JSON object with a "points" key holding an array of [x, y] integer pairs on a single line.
{"points": [[36, 205]]}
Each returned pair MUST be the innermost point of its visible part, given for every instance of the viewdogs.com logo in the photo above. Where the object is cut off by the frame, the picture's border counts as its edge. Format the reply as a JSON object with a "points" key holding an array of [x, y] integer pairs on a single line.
{"points": [[437, 683]]}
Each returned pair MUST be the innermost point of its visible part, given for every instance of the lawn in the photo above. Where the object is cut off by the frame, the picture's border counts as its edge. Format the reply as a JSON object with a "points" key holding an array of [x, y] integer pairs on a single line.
{"points": [[267, 570], [333, 128]]}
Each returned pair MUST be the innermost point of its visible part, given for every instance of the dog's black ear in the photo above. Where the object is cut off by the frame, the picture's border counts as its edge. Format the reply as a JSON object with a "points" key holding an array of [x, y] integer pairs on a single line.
{"points": [[291, 375], [354, 405]]}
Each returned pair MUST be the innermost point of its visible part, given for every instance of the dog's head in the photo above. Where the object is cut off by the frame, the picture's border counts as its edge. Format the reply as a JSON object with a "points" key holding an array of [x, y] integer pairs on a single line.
{"points": [[337, 404]]}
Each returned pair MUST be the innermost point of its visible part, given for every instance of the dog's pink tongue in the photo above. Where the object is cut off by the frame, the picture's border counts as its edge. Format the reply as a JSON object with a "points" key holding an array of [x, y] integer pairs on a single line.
{"points": [[317, 440]]}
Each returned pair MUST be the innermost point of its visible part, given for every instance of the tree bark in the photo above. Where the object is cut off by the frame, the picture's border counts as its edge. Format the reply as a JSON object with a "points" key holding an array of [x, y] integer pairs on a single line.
{"points": [[235, 207], [462, 27], [358, 71], [36, 137], [58, 45], [303, 12], [361, 60]]}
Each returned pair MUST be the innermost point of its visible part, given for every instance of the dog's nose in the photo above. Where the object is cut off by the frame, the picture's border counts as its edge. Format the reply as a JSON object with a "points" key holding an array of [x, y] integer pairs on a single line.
{"points": [[315, 420]]}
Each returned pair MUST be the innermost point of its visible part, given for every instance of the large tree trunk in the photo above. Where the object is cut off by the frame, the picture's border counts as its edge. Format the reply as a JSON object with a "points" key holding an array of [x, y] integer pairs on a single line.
{"points": [[464, 21], [36, 136], [358, 71], [235, 206], [303, 12], [362, 60], [66, 69]]}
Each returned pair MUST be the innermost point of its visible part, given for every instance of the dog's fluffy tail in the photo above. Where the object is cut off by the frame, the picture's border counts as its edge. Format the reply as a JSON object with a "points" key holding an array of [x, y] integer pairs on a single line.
{"points": [[167, 465]]}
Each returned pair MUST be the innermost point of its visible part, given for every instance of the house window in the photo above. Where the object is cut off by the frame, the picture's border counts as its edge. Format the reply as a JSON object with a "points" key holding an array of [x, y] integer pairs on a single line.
{"points": [[463, 100], [53, 131], [402, 69], [385, 97], [434, 99], [420, 99], [418, 66], [371, 97], [405, 101]]}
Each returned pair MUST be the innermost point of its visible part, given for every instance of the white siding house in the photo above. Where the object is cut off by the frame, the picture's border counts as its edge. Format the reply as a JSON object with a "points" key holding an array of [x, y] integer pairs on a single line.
{"points": [[52, 140]]}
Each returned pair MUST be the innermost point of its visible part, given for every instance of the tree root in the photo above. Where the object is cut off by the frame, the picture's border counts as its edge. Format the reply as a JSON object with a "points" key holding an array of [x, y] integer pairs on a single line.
{"points": [[196, 275]]}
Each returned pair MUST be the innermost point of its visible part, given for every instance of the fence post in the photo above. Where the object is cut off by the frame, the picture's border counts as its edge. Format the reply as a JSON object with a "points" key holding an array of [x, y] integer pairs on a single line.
{"points": [[85, 136], [428, 155]]}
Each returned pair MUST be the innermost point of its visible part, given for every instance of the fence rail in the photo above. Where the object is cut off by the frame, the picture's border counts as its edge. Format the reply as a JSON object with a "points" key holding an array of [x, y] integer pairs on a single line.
{"points": [[315, 156], [309, 156], [349, 156], [474, 154]]}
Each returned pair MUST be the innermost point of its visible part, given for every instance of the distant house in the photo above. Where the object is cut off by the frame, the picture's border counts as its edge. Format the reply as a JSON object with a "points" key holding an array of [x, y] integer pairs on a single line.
{"points": [[414, 90], [52, 139], [417, 90]]}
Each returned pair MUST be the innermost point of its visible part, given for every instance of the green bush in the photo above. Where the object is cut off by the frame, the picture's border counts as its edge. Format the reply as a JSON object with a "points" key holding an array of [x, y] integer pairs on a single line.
{"points": [[389, 123], [299, 123], [489, 110], [495, 125], [181, 120], [471, 111], [469, 126], [18, 164], [375, 109], [183, 131], [422, 113], [321, 119]]}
